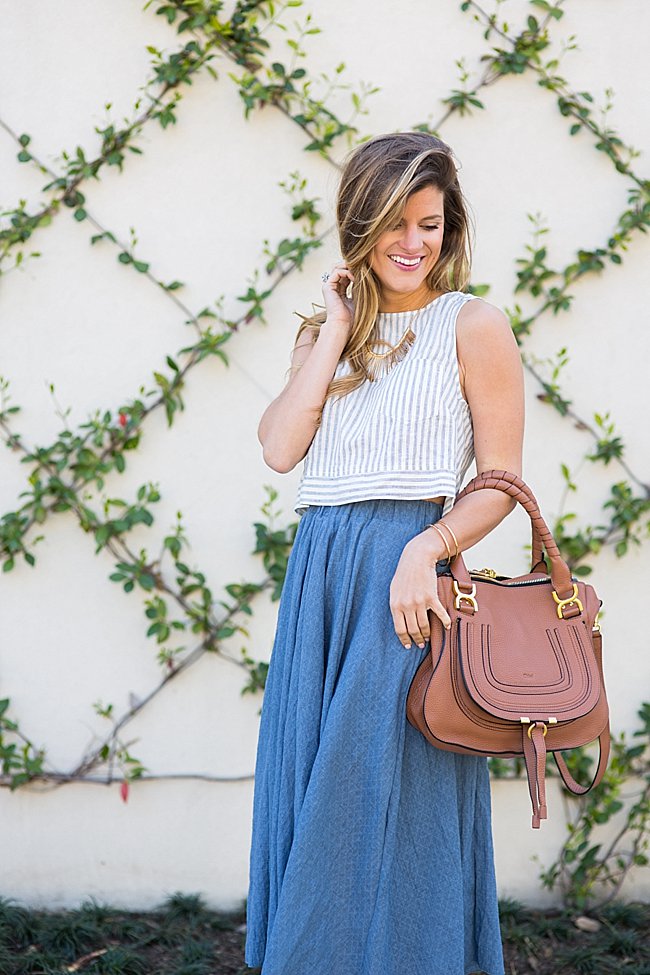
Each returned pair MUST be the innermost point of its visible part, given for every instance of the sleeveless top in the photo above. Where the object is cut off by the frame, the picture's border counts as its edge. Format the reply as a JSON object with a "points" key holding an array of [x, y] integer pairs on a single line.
{"points": [[409, 433]]}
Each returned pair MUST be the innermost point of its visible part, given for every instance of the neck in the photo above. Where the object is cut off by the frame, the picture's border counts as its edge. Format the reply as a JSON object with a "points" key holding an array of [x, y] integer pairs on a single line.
{"points": [[395, 301]]}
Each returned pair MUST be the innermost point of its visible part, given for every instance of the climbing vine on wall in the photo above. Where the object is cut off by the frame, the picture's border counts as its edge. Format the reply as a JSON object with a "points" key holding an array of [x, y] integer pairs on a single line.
{"points": [[182, 615]]}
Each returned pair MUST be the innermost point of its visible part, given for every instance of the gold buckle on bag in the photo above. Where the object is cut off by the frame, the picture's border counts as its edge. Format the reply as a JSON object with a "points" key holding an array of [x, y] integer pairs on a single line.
{"points": [[469, 596], [572, 599]]}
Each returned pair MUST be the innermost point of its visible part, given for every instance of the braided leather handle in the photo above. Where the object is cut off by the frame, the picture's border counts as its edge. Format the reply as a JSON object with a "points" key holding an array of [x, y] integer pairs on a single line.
{"points": [[537, 547], [513, 485]]}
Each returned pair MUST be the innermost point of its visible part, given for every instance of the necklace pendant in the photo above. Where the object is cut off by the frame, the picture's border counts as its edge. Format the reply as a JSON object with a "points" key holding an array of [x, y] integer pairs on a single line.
{"points": [[380, 363]]}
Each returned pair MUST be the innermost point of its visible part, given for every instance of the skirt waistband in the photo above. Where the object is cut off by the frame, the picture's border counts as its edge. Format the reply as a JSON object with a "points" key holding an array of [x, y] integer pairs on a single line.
{"points": [[392, 508]]}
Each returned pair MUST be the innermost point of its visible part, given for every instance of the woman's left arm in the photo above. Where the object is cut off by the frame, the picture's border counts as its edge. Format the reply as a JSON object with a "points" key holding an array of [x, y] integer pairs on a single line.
{"points": [[492, 376], [493, 379]]}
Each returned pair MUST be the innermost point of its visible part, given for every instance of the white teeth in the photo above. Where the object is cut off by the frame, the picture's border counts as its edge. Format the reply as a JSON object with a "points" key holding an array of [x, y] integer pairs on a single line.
{"points": [[403, 260]]}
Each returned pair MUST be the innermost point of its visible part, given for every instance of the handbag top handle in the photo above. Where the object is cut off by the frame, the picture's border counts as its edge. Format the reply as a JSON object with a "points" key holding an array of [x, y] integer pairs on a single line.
{"points": [[513, 485]]}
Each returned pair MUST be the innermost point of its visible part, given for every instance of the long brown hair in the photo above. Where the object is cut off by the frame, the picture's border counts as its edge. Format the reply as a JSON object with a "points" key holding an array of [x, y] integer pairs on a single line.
{"points": [[376, 179]]}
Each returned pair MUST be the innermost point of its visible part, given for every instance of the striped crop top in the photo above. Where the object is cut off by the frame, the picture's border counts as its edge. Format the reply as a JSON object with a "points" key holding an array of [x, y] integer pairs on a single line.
{"points": [[409, 433]]}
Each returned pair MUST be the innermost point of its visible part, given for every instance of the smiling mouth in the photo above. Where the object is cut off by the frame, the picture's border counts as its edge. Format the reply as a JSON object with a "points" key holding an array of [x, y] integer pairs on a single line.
{"points": [[405, 262]]}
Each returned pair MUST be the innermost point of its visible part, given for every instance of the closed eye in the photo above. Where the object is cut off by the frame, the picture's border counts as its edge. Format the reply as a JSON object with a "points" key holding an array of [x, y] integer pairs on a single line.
{"points": [[434, 227]]}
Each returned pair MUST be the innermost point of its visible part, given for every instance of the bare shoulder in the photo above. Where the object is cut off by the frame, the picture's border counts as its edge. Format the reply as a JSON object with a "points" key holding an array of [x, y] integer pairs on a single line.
{"points": [[483, 332], [480, 320], [485, 342]]}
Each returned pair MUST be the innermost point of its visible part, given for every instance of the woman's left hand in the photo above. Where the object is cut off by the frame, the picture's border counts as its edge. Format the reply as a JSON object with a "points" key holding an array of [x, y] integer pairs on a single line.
{"points": [[414, 590]]}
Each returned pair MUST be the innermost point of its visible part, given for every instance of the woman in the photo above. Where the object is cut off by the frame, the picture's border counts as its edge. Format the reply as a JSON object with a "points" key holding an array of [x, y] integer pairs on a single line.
{"points": [[372, 850]]}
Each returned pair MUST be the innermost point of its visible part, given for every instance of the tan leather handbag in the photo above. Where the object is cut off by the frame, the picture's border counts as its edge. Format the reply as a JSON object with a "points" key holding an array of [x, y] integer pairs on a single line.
{"points": [[520, 671]]}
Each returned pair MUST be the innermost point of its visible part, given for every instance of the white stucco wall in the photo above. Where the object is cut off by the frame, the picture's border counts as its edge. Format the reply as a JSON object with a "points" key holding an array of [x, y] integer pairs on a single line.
{"points": [[202, 198]]}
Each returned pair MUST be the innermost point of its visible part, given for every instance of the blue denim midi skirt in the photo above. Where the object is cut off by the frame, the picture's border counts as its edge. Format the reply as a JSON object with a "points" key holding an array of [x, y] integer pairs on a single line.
{"points": [[371, 849]]}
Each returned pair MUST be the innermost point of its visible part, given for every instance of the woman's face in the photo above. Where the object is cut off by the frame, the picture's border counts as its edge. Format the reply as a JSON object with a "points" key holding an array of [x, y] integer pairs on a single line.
{"points": [[418, 235]]}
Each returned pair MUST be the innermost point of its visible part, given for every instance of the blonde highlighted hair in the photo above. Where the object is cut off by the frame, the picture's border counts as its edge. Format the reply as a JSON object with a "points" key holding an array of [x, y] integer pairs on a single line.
{"points": [[377, 178]]}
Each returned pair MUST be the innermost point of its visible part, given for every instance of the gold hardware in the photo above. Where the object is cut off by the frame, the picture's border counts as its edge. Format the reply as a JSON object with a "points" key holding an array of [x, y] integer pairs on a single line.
{"points": [[596, 627], [561, 603], [535, 723], [488, 573], [469, 596], [526, 720]]}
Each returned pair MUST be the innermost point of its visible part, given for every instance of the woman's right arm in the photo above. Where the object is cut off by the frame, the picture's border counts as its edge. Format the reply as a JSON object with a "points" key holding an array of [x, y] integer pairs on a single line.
{"points": [[288, 424]]}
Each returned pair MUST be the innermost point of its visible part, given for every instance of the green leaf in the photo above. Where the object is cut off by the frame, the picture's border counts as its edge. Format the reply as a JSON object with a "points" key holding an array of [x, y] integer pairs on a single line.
{"points": [[582, 570]]}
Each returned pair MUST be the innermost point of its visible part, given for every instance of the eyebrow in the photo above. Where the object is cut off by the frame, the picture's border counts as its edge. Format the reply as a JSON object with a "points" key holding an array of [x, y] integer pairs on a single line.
{"points": [[436, 216]]}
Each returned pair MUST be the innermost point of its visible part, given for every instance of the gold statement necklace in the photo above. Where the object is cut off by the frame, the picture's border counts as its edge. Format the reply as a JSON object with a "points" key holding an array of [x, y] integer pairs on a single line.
{"points": [[381, 363]]}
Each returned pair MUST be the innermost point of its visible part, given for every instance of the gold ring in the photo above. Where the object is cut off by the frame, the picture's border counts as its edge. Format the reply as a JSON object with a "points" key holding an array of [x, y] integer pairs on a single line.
{"points": [[531, 726]]}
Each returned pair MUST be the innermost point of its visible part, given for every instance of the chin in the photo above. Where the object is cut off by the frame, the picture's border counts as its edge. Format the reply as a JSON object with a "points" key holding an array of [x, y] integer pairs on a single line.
{"points": [[406, 282]]}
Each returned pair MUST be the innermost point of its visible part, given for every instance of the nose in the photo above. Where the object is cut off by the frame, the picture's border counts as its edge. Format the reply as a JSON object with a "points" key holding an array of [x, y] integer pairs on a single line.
{"points": [[411, 240]]}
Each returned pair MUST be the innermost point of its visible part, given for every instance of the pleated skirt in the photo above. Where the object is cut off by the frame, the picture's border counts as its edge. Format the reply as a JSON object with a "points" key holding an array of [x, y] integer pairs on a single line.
{"points": [[371, 850]]}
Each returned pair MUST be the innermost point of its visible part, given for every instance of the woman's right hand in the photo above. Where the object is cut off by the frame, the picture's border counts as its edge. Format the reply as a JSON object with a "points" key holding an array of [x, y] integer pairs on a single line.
{"points": [[339, 308]]}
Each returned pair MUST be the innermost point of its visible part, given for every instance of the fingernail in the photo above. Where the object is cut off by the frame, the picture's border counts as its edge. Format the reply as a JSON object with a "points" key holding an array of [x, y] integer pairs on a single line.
{"points": [[421, 645], [407, 646]]}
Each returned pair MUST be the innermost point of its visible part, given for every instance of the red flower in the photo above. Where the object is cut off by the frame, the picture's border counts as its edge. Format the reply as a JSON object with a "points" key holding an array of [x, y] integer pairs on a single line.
{"points": [[123, 419], [124, 790]]}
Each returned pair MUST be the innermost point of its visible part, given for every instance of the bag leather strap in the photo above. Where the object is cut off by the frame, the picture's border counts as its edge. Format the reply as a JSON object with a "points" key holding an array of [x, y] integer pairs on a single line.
{"points": [[535, 760], [570, 782]]}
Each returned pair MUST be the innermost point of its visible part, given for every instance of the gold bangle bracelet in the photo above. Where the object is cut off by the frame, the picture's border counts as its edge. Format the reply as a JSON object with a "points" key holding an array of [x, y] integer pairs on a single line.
{"points": [[443, 538], [451, 531]]}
